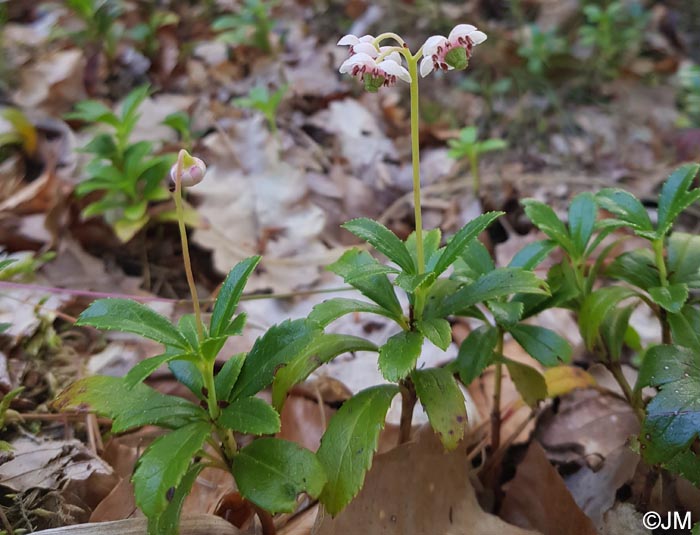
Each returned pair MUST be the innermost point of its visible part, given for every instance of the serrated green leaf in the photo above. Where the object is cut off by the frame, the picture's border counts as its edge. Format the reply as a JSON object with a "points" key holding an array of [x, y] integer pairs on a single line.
{"points": [[411, 283], [377, 288], [324, 348], [507, 313], [383, 240], [332, 309], [628, 209], [132, 101], [582, 218], [498, 283], [457, 244], [671, 297], [474, 262], [596, 308], [398, 356], [187, 373], [278, 346], [442, 399], [544, 345], [349, 443], [251, 416], [146, 367], [228, 375], [685, 327], [130, 316], [684, 259], [528, 381], [615, 330], [431, 247], [164, 464], [637, 267], [530, 256], [169, 521], [129, 408], [437, 330], [271, 473], [672, 420], [545, 219], [476, 353], [229, 295], [676, 196]]}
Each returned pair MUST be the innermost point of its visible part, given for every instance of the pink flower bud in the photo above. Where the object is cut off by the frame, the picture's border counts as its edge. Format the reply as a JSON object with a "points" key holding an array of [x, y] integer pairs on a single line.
{"points": [[193, 170]]}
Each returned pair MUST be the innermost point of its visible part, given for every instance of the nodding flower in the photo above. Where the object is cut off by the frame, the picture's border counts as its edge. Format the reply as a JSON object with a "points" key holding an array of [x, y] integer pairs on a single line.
{"points": [[451, 52], [353, 41], [193, 170], [376, 74]]}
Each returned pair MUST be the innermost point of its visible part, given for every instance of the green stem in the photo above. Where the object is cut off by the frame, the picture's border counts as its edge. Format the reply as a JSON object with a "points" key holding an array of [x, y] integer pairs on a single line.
{"points": [[496, 409], [389, 35], [660, 262], [476, 179], [185, 246]]}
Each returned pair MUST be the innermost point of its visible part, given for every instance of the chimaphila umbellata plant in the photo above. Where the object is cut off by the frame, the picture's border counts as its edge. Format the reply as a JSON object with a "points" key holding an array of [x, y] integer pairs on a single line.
{"points": [[468, 146], [269, 472]]}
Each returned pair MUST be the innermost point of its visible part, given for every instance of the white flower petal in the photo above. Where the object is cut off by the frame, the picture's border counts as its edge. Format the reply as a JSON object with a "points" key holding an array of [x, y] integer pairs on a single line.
{"points": [[367, 38], [395, 57], [348, 40], [394, 69], [365, 48], [357, 59], [426, 66], [461, 30], [477, 37], [431, 45]]}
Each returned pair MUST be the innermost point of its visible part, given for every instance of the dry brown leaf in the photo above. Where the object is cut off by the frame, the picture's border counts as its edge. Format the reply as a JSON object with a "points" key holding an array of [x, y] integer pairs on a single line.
{"points": [[537, 498], [417, 489]]}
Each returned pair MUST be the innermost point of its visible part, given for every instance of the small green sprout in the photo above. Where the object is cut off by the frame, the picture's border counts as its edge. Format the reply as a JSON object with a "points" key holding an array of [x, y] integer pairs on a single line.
{"points": [[468, 146], [252, 25], [262, 100]]}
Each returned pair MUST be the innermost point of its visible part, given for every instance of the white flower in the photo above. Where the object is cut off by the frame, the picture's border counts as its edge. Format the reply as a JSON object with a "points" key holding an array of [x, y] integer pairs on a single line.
{"points": [[193, 170], [352, 41], [451, 52], [375, 75]]}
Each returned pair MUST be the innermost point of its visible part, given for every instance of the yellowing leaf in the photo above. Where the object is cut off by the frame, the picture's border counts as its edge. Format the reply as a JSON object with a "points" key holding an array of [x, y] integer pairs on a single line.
{"points": [[563, 379]]}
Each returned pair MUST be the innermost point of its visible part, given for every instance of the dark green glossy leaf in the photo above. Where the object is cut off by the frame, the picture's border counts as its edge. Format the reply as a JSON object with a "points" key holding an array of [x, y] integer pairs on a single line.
{"points": [[582, 217], [377, 288], [146, 367], [671, 298], [187, 373], [684, 259], [398, 356], [129, 408], [383, 240], [628, 209], [530, 256], [163, 465], [636, 267], [278, 346], [251, 416], [676, 196], [545, 219], [169, 521], [474, 262], [506, 313], [228, 375], [324, 348], [685, 327], [437, 330], [411, 283], [544, 345], [349, 443], [442, 399], [332, 309], [229, 295], [498, 283], [130, 316], [595, 310], [271, 473], [672, 420], [431, 247], [615, 330], [476, 353], [457, 244]]}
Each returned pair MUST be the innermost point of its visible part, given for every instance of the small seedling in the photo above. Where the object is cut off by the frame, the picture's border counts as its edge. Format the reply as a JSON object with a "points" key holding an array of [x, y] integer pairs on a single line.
{"points": [[101, 28], [127, 174], [538, 49], [467, 146], [145, 34], [262, 100], [251, 26]]}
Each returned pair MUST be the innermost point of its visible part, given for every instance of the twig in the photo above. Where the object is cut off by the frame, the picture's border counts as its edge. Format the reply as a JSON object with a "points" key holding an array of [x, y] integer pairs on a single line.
{"points": [[408, 402]]}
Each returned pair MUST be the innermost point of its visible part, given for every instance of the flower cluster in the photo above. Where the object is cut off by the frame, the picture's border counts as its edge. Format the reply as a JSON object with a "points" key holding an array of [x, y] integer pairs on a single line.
{"points": [[451, 52], [375, 66], [379, 66]]}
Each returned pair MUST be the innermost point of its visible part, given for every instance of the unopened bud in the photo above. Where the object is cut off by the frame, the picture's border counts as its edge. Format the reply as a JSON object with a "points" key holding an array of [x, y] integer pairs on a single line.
{"points": [[193, 170]]}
